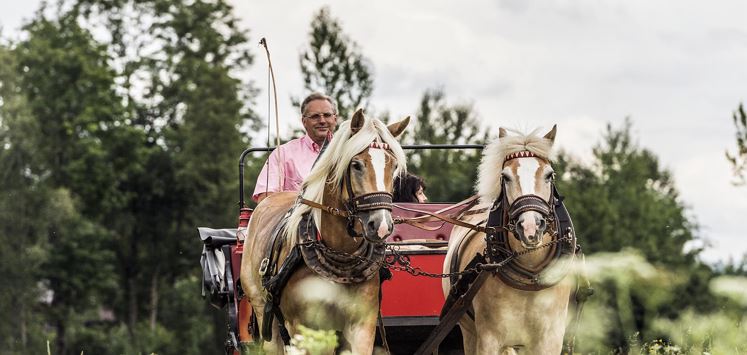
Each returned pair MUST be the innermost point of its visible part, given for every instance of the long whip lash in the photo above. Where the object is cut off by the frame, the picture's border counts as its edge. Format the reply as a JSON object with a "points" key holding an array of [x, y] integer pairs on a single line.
{"points": [[271, 74]]}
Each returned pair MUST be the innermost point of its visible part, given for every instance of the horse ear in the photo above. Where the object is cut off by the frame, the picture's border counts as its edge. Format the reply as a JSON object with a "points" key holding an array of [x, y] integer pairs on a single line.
{"points": [[501, 132], [357, 121], [551, 135], [397, 128]]}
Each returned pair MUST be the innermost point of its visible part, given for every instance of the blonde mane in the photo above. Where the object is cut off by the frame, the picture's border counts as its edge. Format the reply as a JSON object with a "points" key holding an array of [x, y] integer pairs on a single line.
{"points": [[489, 176], [330, 168]]}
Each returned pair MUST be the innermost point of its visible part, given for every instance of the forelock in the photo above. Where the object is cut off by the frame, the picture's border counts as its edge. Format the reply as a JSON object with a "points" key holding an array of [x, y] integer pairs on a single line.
{"points": [[489, 173]]}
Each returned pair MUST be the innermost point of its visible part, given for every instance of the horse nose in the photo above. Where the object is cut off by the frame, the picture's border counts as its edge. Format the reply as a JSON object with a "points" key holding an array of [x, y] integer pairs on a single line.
{"points": [[541, 225], [382, 227], [528, 226]]}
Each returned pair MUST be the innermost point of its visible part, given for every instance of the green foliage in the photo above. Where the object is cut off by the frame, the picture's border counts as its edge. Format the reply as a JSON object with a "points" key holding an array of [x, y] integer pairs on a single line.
{"points": [[69, 107], [623, 314], [315, 342], [24, 218], [624, 199], [738, 159], [134, 141], [437, 122], [334, 65]]}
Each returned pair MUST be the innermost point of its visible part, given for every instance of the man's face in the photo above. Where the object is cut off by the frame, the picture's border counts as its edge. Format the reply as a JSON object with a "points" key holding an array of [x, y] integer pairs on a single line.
{"points": [[319, 119]]}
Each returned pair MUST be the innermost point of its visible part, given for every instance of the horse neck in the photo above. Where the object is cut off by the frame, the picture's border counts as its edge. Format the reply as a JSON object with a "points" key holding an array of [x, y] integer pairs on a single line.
{"points": [[333, 229]]}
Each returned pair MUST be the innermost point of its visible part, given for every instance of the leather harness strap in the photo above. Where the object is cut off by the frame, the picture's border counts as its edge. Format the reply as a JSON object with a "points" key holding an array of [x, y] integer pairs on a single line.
{"points": [[419, 222], [328, 209], [273, 282]]}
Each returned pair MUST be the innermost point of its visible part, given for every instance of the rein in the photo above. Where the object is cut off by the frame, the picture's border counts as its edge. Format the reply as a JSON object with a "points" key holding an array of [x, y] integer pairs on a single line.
{"points": [[419, 221]]}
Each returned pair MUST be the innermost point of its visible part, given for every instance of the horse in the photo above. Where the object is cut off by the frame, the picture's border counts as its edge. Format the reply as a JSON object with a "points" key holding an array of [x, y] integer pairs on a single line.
{"points": [[337, 223], [522, 307]]}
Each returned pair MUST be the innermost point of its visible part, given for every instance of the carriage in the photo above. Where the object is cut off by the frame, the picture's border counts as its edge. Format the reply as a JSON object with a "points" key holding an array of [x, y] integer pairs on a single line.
{"points": [[410, 305], [410, 302]]}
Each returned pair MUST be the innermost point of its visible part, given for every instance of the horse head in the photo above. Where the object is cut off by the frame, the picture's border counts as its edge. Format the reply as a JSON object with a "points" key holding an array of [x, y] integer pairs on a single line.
{"points": [[368, 181], [523, 185], [527, 183]]}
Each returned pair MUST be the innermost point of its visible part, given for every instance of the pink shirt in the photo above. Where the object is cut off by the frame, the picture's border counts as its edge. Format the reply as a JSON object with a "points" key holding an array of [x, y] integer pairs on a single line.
{"points": [[298, 156]]}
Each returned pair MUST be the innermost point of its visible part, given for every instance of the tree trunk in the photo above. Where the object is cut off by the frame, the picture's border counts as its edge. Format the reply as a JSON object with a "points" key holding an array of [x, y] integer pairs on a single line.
{"points": [[23, 326], [60, 340], [131, 304], [154, 300]]}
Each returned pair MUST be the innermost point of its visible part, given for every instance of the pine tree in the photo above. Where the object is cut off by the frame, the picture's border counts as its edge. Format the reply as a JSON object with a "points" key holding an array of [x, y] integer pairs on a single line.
{"points": [[334, 65]]}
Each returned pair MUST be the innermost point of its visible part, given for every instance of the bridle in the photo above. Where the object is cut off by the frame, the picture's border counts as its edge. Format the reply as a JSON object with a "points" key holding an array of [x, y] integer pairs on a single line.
{"points": [[523, 203], [356, 204]]}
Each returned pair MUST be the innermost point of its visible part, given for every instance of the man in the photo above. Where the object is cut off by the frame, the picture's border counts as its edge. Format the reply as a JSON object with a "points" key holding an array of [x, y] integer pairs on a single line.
{"points": [[291, 162]]}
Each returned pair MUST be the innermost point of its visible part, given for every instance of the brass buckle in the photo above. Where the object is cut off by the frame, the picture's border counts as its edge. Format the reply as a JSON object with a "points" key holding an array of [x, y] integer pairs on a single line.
{"points": [[263, 266]]}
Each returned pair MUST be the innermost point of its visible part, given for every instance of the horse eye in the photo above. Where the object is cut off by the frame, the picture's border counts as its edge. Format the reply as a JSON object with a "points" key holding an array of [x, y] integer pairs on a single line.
{"points": [[550, 176], [506, 177], [356, 165]]}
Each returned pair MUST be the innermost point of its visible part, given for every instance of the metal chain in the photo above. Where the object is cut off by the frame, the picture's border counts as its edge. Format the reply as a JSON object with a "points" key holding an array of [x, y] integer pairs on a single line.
{"points": [[390, 261]]}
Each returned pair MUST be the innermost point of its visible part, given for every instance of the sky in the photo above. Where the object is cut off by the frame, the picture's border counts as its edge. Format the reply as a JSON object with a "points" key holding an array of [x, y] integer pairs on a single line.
{"points": [[677, 69]]}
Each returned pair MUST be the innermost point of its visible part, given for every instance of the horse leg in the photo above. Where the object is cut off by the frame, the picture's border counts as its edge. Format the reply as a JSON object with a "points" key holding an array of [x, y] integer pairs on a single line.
{"points": [[275, 345], [360, 337], [488, 345], [469, 335]]}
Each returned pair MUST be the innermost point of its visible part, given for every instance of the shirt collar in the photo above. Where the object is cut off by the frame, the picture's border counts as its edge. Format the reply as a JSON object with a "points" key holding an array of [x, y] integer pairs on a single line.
{"points": [[308, 142]]}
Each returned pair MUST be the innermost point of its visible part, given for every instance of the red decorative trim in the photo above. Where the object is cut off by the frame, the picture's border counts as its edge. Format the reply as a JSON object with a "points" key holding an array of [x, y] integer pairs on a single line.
{"points": [[378, 145], [521, 154]]}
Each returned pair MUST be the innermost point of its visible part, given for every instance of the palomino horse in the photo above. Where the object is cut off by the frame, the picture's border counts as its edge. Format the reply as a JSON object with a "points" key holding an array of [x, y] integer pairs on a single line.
{"points": [[522, 307], [336, 226]]}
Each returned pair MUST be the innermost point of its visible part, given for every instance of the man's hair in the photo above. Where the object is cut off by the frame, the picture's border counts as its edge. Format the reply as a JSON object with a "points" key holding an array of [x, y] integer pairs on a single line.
{"points": [[317, 96]]}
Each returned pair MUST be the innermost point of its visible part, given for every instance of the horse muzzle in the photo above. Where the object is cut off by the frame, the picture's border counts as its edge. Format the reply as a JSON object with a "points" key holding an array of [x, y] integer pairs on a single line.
{"points": [[372, 212], [530, 214]]}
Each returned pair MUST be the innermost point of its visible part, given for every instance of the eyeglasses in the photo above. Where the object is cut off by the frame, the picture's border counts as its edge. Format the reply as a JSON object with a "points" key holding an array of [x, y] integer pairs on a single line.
{"points": [[319, 115]]}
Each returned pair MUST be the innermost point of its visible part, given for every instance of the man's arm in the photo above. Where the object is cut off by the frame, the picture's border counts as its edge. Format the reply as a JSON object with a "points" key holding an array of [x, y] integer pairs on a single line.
{"points": [[268, 179]]}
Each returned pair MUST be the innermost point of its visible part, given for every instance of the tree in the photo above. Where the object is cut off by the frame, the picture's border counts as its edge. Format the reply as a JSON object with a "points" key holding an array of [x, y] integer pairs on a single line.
{"points": [[624, 200], [334, 65], [437, 122], [193, 111], [738, 159], [25, 216], [69, 91], [136, 141]]}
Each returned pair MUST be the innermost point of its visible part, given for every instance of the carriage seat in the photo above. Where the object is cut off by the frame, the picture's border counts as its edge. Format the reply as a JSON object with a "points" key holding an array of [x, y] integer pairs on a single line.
{"points": [[405, 233]]}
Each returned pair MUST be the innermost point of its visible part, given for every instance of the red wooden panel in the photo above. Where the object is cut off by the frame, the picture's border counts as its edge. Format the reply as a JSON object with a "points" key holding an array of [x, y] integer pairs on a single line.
{"points": [[406, 295]]}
